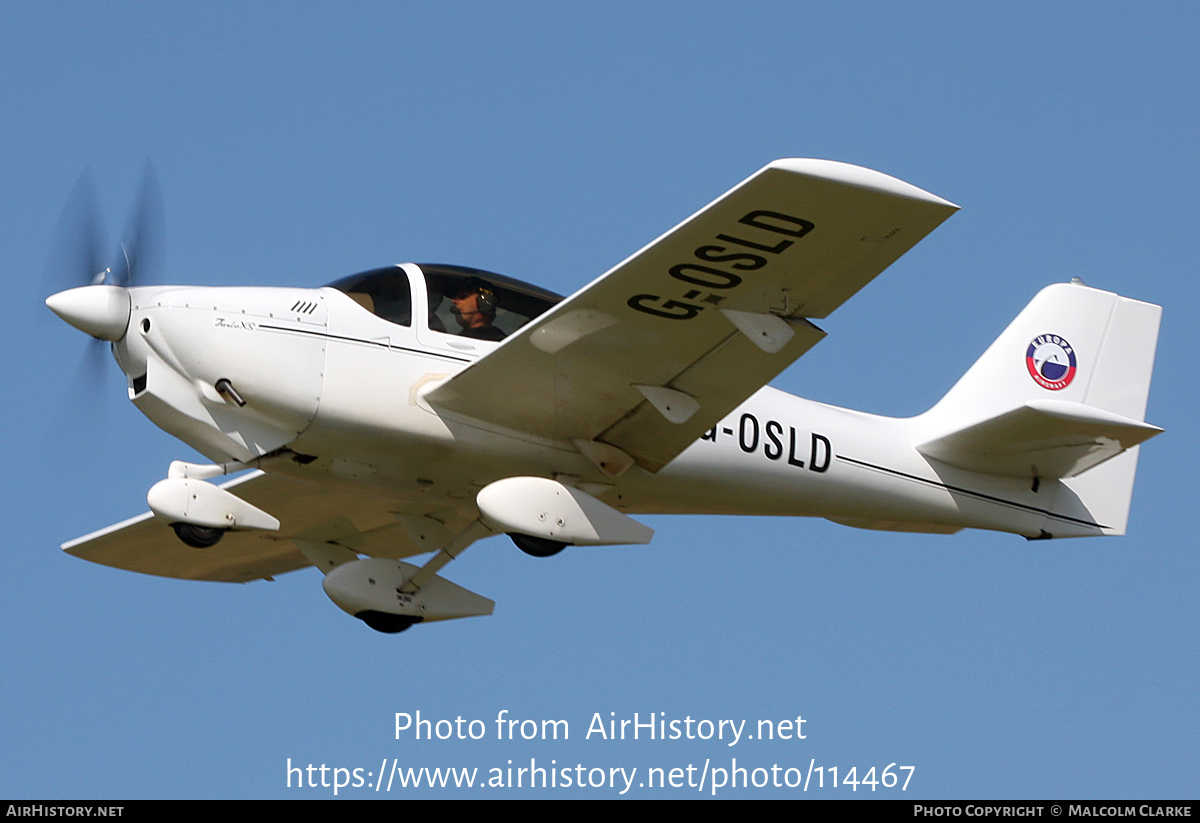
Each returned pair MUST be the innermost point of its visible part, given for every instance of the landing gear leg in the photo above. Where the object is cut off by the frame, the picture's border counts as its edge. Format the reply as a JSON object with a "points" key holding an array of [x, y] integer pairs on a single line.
{"points": [[473, 532]]}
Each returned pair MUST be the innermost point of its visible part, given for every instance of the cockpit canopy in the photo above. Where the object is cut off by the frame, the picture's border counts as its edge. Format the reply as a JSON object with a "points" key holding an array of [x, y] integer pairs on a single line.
{"points": [[462, 301]]}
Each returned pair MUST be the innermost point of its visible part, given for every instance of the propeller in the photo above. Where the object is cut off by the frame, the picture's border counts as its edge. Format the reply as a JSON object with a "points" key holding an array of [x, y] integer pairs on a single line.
{"points": [[76, 257], [85, 292], [138, 258]]}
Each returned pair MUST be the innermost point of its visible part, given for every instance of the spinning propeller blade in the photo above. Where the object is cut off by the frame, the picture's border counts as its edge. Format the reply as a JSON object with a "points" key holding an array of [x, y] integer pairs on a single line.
{"points": [[77, 253], [76, 257], [138, 259]]}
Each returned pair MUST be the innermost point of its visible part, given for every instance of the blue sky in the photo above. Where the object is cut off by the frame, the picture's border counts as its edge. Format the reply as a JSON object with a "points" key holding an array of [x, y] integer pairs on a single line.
{"points": [[298, 143]]}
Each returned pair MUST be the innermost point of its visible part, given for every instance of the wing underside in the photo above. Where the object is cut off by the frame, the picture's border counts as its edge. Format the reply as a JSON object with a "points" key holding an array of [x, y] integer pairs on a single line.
{"points": [[316, 513]]}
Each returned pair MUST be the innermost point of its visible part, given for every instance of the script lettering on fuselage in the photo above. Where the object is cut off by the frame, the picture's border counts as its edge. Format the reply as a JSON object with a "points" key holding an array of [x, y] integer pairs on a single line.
{"points": [[770, 439], [242, 325], [730, 250]]}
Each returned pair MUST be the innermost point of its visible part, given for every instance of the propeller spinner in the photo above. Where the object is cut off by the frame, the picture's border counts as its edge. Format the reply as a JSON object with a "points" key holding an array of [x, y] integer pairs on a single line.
{"points": [[101, 307], [101, 311]]}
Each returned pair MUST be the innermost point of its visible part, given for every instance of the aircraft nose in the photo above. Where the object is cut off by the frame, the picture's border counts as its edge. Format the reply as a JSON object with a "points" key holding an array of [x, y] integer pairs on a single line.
{"points": [[101, 311]]}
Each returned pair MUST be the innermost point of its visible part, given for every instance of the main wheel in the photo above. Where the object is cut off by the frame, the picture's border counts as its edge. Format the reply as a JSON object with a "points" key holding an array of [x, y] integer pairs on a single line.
{"points": [[387, 623], [537, 546], [198, 537]]}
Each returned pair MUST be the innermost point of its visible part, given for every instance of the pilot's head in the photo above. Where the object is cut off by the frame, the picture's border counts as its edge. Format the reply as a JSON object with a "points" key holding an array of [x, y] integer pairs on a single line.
{"points": [[474, 305]]}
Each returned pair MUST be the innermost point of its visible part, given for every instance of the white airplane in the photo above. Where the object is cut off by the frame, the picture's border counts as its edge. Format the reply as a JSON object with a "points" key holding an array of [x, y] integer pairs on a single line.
{"points": [[419, 408]]}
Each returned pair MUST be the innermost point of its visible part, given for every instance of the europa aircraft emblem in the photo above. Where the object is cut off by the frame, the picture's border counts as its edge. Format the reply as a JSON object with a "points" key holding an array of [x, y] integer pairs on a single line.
{"points": [[1051, 361]]}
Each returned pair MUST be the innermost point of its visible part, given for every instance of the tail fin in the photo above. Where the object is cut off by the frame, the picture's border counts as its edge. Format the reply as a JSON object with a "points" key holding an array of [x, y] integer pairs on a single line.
{"points": [[1061, 394]]}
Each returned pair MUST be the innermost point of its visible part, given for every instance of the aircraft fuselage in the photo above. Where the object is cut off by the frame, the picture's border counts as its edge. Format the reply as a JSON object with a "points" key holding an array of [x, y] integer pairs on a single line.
{"points": [[323, 377]]}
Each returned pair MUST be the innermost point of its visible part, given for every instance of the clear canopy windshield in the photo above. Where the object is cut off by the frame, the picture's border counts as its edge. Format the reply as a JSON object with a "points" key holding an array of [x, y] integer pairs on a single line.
{"points": [[468, 302], [383, 292], [481, 304]]}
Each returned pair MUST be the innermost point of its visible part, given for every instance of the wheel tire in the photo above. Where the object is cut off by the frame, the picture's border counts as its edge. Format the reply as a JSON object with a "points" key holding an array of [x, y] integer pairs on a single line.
{"points": [[537, 546], [387, 623], [198, 537]]}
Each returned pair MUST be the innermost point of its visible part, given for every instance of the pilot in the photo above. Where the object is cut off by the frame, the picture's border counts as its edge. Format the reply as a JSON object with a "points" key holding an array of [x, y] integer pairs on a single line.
{"points": [[474, 308]]}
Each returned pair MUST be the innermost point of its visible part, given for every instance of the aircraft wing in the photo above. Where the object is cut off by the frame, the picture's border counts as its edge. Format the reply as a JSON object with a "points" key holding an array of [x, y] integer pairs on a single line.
{"points": [[313, 512], [653, 353]]}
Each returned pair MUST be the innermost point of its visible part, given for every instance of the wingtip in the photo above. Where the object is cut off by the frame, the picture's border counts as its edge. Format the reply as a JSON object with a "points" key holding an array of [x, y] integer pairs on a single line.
{"points": [[853, 175]]}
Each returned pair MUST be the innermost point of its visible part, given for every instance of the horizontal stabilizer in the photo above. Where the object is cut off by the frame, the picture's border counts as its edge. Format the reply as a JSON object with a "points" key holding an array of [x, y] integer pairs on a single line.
{"points": [[1042, 438]]}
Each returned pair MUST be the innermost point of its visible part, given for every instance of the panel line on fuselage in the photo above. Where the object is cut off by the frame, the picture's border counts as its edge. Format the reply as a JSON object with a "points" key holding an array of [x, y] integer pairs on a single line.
{"points": [[390, 346]]}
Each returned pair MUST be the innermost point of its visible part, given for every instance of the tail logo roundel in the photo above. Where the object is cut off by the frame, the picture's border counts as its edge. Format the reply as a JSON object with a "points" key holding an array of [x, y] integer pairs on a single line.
{"points": [[1051, 362]]}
